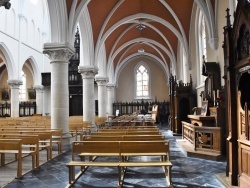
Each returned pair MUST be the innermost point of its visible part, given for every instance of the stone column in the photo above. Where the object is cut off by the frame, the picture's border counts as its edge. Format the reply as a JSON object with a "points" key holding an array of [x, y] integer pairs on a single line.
{"points": [[39, 98], [88, 74], [111, 98], [59, 54], [14, 86], [102, 95]]}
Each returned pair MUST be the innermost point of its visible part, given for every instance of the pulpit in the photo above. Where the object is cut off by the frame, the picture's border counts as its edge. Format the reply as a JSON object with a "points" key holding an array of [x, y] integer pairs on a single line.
{"points": [[202, 121], [206, 133]]}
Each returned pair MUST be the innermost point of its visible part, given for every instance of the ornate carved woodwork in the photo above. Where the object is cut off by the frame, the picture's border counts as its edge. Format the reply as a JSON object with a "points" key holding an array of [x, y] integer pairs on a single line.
{"points": [[182, 100], [75, 77], [75, 81], [237, 62]]}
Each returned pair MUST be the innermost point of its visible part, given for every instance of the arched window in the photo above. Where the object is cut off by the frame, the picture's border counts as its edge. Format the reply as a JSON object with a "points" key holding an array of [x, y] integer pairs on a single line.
{"points": [[142, 82], [201, 44], [22, 89], [203, 37]]}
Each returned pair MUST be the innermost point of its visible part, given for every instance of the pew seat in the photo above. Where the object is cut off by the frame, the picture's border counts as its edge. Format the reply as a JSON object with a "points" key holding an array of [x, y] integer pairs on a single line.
{"points": [[123, 150]]}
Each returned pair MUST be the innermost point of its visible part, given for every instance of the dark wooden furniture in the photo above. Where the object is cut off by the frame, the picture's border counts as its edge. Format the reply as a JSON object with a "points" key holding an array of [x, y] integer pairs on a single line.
{"points": [[182, 100], [27, 108], [46, 79], [143, 108], [75, 81], [202, 121], [237, 65], [206, 133]]}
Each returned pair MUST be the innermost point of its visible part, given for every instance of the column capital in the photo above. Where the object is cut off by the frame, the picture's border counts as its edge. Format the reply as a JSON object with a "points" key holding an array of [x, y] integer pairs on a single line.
{"points": [[38, 88], [58, 52], [101, 80], [110, 86], [88, 71], [14, 84]]}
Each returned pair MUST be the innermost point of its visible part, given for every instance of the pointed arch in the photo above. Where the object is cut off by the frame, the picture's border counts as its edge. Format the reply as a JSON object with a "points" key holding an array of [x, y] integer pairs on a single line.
{"points": [[9, 61], [59, 20], [87, 43], [200, 39], [181, 38], [210, 17], [33, 67], [135, 56], [110, 61]]}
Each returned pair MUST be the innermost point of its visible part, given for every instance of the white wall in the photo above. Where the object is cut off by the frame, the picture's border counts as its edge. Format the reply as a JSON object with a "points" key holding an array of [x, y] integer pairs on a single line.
{"points": [[126, 82], [23, 30]]}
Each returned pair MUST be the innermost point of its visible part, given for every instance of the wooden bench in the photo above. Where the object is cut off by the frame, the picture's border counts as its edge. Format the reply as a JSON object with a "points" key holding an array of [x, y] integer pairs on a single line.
{"points": [[122, 137], [79, 129], [127, 129], [123, 150], [45, 139], [133, 132], [12, 146], [30, 145], [56, 133]]}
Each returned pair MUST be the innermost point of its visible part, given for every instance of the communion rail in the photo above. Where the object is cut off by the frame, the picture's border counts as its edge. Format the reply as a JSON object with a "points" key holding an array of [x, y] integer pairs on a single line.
{"points": [[202, 138]]}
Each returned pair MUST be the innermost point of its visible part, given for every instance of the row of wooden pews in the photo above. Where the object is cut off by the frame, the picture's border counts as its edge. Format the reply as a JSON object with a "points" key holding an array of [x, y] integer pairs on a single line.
{"points": [[28, 137], [31, 135], [124, 144], [131, 120]]}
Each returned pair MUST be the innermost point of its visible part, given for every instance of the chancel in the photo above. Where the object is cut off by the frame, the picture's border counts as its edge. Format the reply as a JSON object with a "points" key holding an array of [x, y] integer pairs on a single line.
{"points": [[142, 93]]}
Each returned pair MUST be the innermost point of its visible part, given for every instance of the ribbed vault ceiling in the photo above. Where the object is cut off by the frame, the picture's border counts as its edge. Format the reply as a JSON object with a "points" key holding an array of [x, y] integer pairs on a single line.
{"points": [[155, 39]]}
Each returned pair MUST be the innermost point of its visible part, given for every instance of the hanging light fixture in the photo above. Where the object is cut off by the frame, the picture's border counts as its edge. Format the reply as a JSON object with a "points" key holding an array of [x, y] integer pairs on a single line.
{"points": [[140, 26], [141, 50]]}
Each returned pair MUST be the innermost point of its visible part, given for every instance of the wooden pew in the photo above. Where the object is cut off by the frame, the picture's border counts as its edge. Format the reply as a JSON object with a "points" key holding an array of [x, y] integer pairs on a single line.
{"points": [[127, 133], [45, 139], [79, 129], [117, 130], [123, 137], [56, 133], [12, 146], [121, 149], [128, 127], [28, 141], [75, 129]]}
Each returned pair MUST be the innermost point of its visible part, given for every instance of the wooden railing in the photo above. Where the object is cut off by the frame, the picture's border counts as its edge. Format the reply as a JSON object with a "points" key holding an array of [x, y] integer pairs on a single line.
{"points": [[4, 109], [25, 109], [202, 138], [131, 107]]}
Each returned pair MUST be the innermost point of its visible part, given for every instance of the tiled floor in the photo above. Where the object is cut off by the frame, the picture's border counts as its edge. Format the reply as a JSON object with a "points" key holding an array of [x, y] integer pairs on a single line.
{"points": [[186, 173]]}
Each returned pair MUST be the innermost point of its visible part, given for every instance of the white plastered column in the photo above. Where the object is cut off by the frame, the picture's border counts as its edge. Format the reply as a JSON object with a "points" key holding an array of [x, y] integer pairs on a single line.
{"points": [[88, 74], [39, 98], [102, 95], [111, 98], [59, 54], [14, 86]]}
